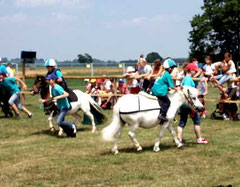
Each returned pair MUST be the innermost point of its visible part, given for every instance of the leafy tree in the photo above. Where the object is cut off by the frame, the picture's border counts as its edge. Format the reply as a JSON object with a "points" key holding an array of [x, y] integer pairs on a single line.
{"points": [[86, 58], [217, 30], [153, 56]]}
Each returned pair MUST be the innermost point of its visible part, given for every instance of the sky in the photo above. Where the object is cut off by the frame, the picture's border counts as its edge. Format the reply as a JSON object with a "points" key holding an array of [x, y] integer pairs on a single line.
{"points": [[106, 29]]}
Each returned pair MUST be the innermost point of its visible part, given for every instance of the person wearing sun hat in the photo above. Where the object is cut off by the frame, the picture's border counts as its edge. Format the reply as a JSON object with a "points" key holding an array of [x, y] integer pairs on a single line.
{"points": [[59, 95], [9, 83]]}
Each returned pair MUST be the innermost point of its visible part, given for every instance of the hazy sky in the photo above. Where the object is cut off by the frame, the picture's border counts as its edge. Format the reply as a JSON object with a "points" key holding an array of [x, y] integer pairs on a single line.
{"points": [[106, 29]]}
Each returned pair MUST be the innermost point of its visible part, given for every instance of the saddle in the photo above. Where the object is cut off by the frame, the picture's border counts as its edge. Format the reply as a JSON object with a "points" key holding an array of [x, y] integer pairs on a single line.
{"points": [[72, 96], [152, 97]]}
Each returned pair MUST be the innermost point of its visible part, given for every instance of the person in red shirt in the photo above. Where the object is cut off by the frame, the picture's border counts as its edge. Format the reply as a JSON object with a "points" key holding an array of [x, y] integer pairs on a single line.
{"points": [[122, 87]]}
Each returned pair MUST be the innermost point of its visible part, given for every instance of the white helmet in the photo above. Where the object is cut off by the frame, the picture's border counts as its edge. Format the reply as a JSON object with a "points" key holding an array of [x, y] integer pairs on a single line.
{"points": [[169, 63], [50, 62]]}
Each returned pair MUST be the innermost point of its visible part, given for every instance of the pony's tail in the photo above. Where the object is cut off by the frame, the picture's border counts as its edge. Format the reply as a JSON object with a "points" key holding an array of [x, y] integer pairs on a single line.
{"points": [[96, 110], [100, 117], [111, 132]]}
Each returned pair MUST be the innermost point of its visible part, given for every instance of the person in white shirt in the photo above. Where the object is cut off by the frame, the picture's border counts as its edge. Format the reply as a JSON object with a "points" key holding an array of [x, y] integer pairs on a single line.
{"points": [[133, 84], [208, 68], [144, 70], [9, 70]]}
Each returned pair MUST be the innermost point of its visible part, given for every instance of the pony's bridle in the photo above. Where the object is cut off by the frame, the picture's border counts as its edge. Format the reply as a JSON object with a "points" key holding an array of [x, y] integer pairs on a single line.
{"points": [[188, 98]]}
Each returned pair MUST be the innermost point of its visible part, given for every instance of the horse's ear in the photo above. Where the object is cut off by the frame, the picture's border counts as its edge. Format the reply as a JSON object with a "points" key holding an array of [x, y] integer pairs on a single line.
{"points": [[188, 91]]}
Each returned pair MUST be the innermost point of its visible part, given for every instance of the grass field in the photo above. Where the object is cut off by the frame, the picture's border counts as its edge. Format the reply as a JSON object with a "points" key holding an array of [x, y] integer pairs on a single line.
{"points": [[31, 156]]}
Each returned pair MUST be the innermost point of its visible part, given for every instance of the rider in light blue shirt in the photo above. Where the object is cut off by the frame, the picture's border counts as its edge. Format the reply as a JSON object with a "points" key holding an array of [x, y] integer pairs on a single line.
{"points": [[161, 87]]}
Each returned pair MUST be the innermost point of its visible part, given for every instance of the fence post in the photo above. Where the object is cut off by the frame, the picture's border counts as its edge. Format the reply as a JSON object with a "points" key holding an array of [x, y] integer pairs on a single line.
{"points": [[92, 71], [238, 68], [124, 68], [17, 73]]}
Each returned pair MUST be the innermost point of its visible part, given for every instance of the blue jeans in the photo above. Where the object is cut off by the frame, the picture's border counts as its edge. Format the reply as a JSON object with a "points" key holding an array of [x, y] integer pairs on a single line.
{"points": [[66, 126], [224, 79], [184, 111]]}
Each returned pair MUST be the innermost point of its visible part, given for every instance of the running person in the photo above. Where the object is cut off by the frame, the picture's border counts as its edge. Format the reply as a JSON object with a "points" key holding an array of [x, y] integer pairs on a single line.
{"points": [[63, 105], [9, 83]]}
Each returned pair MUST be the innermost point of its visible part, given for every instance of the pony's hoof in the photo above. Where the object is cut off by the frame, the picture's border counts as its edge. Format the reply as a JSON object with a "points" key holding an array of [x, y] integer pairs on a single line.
{"points": [[52, 130], [139, 149], [156, 149], [180, 146], [60, 134], [115, 152], [94, 130]]}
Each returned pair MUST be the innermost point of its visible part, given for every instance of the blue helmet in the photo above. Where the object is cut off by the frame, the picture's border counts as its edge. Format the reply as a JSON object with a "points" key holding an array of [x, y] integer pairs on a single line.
{"points": [[2, 73], [52, 76]]}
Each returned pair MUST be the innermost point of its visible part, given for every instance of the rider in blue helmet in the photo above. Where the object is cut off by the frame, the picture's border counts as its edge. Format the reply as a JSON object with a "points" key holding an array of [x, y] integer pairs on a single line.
{"points": [[161, 87]]}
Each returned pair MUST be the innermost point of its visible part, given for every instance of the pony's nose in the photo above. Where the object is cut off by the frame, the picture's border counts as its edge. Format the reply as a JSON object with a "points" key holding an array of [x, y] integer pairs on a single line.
{"points": [[199, 109]]}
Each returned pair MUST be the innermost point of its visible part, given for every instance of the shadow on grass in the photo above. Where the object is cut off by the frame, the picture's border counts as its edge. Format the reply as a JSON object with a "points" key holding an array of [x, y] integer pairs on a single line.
{"points": [[49, 133], [148, 148]]}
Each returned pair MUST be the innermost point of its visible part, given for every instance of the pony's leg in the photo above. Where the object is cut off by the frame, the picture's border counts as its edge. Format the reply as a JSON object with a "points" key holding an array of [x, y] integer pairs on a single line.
{"points": [[115, 147], [131, 134], [52, 128], [91, 117], [156, 147], [50, 121], [77, 118], [172, 131]]}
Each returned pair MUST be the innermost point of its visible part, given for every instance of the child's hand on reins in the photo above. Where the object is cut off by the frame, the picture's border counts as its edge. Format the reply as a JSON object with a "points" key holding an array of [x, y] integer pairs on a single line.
{"points": [[41, 100]]}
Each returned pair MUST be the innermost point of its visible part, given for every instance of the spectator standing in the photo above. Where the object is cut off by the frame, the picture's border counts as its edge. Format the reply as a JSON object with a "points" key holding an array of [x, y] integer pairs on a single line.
{"points": [[144, 71], [132, 83], [9, 70], [191, 70]]}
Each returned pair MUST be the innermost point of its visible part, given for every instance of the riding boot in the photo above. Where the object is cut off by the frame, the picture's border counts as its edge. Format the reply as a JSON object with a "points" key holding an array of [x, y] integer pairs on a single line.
{"points": [[162, 116]]}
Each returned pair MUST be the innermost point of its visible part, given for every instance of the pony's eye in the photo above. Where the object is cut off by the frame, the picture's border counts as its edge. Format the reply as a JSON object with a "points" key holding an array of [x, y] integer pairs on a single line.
{"points": [[194, 98]]}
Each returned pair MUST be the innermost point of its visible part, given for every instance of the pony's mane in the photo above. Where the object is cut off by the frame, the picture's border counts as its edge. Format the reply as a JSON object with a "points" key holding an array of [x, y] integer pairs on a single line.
{"points": [[40, 78]]}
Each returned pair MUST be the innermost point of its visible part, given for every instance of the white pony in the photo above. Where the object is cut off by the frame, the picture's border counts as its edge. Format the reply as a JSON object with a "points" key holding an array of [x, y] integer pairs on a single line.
{"points": [[84, 103], [142, 110]]}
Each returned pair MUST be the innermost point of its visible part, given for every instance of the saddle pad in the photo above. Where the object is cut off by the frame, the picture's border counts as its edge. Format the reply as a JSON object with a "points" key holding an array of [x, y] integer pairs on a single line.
{"points": [[72, 96], [137, 103]]}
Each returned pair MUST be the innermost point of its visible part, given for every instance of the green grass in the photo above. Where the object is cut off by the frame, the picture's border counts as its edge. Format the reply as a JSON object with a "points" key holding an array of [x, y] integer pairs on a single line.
{"points": [[31, 156]]}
